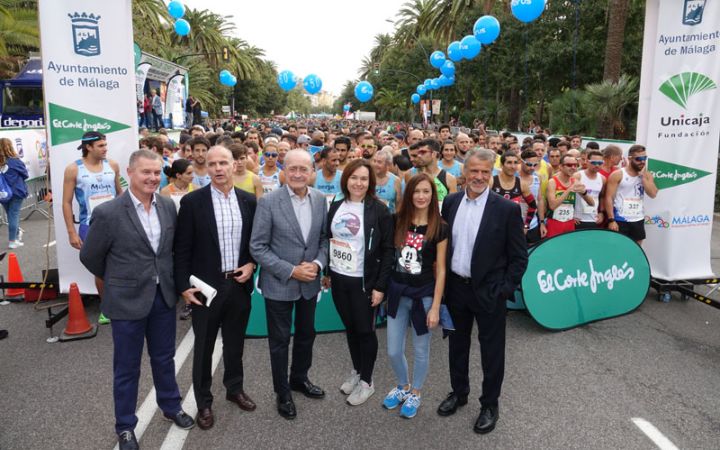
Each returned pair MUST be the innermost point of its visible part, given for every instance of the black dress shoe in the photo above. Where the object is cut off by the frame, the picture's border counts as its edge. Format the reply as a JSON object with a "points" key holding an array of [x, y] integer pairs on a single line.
{"points": [[205, 418], [307, 389], [242, 400], [286, 407], [449, 406], [487, 419], [180, 419], [127, 441]]}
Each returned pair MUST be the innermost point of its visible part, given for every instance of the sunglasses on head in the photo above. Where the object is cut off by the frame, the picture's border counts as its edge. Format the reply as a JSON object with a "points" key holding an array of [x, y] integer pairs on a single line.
{"points": [[531, 164], [270, 155], [640, 158], [367, 146], [596, 163]]}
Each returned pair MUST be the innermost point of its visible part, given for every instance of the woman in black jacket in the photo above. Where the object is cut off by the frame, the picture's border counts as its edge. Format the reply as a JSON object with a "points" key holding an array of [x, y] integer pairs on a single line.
{"points": [[360, 229]]}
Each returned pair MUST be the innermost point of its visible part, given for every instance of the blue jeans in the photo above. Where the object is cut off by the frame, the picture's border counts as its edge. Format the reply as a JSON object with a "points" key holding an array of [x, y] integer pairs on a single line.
{"points": [[396, 334], [12, 208]]}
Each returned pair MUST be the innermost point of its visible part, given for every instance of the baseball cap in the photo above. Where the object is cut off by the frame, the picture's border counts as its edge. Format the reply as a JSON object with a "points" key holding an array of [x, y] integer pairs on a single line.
{"points": [[91, 136]]}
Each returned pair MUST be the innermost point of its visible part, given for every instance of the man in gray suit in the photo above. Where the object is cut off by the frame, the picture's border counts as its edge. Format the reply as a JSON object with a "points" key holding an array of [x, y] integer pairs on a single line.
{"points": [[130, 247], [290, 245]]}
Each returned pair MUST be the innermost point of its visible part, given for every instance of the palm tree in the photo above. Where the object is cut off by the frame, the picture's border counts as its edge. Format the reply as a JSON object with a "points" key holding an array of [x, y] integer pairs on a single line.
{"points": [[609, 100], [391, 103], [19, 33], [617, 16], [382, 43], [414, 20]]}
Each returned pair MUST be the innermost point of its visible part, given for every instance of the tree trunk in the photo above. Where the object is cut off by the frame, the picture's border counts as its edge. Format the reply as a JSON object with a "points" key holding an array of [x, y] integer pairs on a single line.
{"points": [[618, 11], [514, 113]]}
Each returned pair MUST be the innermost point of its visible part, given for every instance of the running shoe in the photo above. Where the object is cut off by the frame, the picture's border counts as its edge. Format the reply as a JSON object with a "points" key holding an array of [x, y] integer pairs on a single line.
{"points": [[352, 380], [102, 320], [395, 397], [410, 407]]}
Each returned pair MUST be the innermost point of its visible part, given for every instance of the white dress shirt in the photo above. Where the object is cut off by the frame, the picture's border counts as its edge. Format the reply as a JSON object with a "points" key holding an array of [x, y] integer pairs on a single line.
{"points": [[149, 220], [229, 227], [465, 229]]}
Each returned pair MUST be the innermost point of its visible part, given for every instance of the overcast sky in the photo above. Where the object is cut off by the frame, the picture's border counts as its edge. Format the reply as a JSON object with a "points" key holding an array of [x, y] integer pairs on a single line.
{"points": [[325, 37]]}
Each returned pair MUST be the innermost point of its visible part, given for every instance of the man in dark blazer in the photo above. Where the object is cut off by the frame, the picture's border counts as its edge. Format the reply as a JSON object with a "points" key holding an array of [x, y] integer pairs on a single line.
{"points": [[212, 243], [487, 257], [129, 247], [290, 244]]}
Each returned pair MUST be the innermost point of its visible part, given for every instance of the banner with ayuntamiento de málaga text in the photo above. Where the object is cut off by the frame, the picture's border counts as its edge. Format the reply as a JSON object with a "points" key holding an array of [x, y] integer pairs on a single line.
{"points": [[679, 123], [89, 85]]}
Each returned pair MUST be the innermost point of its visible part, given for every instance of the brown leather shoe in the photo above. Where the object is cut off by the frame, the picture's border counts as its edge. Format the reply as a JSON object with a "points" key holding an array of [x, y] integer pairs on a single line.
{"points": [[242, 400], [205, 419]]}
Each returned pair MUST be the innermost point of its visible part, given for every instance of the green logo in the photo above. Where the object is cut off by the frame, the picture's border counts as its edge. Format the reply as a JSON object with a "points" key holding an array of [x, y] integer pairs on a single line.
{"points": [[123, 182], [68, 125], [569, 282], [667, 174], [679, 88]]}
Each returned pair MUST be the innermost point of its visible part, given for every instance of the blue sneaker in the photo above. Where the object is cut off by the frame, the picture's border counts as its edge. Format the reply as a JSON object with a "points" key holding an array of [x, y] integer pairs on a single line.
{"points": [[410, 407], [395, 398]]}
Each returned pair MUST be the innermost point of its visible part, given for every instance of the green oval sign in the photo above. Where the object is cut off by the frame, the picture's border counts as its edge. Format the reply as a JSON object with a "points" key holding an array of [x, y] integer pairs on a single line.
{"points": [[584, 276]]}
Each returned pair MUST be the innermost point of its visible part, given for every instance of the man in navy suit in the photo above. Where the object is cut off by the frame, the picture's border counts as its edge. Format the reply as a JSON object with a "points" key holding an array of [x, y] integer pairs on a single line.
{"points": [[487, 257]]}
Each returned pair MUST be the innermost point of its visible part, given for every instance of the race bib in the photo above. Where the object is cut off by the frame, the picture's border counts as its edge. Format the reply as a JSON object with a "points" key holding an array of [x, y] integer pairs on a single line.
{"points": [[98, 199], [268, 186], [342, 256], [564, 213], [632, 208]]}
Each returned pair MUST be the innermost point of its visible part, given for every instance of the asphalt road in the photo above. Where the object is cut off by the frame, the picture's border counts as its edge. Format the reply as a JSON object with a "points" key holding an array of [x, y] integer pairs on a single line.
{"points": [[580, 388]]}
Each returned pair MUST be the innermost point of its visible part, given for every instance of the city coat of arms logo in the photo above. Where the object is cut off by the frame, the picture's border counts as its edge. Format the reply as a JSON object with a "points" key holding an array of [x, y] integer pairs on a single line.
{"points": [[86, 34], [693, 12]]}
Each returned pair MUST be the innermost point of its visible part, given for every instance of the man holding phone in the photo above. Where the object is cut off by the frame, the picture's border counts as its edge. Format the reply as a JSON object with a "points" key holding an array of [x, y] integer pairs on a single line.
{"points": [[212, 243]]}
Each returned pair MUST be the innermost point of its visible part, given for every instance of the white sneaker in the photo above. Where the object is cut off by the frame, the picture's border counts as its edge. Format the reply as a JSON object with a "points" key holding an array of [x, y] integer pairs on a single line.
{"points": [[350, 383], [362, 392], [15, 244]]}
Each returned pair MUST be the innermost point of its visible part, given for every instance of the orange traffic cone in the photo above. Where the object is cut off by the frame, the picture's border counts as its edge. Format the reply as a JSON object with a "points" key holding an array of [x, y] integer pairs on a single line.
{"points": [[14, 276], [78, 326]]}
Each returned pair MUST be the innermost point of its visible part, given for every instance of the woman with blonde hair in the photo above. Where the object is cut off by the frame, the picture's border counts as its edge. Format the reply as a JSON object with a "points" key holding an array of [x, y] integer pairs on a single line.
{"points": [[15, 174]]}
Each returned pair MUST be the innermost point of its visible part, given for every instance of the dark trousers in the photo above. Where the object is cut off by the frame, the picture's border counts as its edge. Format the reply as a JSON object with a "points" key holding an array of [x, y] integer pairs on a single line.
{"points": [[279, 320], [157, 120], [464, 309], [128, 340], [358, 317], [229, 312]]}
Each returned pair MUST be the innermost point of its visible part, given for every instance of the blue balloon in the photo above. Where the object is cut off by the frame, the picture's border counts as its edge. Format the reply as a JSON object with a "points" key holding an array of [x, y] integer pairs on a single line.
{"points": [[448, 68], [176, 9], [454, 51], [527, 10], [225, 77], [182, 27], [232, 81], [286, 80], [486, 29], [421, 89], [427, 82], [415, 98], [443, 81], [312, 84], [364, 91], [435, 84], [470, 47], [451, 80], [437, 58], [346, 107]]}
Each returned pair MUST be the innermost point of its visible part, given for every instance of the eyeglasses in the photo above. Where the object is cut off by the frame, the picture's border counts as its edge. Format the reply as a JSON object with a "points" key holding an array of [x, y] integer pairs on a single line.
{"points": [[367, 146], [640, 158], [270, 155], [596, 163], [572, 166], [531, 164]]}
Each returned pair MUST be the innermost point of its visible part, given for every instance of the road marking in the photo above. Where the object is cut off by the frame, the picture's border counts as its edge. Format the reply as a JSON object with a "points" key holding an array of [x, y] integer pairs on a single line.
{"points": [[49, 244], [176, 436], [147, 410], [654, 434]]}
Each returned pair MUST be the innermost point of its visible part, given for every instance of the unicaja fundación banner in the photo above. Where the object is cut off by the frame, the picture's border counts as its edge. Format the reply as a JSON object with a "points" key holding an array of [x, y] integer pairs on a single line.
{"points": [[679, 123], [89, 85]]}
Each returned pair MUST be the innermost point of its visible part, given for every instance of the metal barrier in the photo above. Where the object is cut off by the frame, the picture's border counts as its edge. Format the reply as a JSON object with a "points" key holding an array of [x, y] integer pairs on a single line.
{"points": [[35, 201]]}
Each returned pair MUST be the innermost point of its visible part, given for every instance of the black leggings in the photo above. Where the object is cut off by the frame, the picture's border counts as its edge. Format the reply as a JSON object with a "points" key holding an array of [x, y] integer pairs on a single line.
{"points": [[353, 306]]}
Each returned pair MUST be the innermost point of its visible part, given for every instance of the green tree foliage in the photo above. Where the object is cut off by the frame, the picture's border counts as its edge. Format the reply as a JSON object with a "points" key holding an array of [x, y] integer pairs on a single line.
{"points": [[517, 78]]}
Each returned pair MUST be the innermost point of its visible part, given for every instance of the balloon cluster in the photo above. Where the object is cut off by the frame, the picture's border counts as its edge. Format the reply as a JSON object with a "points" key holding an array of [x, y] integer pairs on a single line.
{"points": [[287, 82], [177, 11], [485, 31]]}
